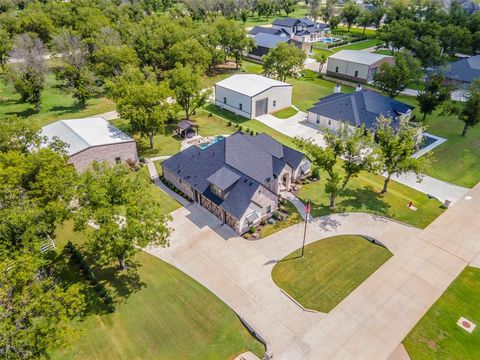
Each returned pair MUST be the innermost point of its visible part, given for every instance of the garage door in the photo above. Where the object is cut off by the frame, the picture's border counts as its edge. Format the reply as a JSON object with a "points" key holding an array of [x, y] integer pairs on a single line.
{"points": [[261, 107]]}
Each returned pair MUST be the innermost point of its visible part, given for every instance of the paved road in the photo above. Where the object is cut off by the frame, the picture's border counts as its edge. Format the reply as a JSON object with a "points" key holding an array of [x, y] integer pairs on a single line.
{"points": [[372, 321]]}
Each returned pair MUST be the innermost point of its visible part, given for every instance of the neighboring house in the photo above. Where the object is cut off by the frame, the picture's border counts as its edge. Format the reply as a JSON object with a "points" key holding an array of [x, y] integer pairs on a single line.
{"points": [[239, 179], [302, 30], [92, 139], [359, 66], [359, 108], [251, 95], [264, 42], [464, 71]]}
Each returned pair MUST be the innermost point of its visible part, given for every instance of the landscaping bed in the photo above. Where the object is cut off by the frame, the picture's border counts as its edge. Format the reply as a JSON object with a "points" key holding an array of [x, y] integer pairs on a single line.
{"points": [[329, 270]]}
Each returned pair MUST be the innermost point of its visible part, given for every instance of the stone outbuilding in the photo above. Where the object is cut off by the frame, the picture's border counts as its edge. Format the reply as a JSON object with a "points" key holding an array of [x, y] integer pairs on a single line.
{"points": [[92, 139]]}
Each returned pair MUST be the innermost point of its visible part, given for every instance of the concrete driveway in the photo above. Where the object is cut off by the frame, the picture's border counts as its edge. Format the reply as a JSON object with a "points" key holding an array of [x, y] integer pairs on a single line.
{"points": [[372, 321]]}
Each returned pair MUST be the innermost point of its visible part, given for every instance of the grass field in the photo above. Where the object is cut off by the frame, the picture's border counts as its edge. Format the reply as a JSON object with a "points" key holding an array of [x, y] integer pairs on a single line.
{"points": [[437, 336], [309, 89], [363, 195], [56, 104], [369, 33], [456, 160], [301, 10], [161, 314], [285, 113], [330, 270]]}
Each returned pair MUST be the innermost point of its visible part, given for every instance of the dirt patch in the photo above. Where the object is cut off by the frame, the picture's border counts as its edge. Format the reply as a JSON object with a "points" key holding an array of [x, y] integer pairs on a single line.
{"points": [[432, 345]]}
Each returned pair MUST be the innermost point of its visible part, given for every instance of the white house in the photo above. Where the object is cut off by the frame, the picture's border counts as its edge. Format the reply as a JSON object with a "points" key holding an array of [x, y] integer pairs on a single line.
{"points": [[359, 66], [251, 95], [92, 139]]}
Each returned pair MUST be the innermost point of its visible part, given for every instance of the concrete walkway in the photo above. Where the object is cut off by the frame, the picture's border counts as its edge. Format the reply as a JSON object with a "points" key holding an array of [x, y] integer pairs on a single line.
{"points": [[156, 180], [299, 205], [372, 321]]}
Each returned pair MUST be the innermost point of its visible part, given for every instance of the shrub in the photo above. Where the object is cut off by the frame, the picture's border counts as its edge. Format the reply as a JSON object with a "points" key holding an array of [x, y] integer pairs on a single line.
{"points": [[252, 132], [229, 123], [240, 128], [210, 114], [277, 215], [252, 229], [316, 173], [246, 236]]}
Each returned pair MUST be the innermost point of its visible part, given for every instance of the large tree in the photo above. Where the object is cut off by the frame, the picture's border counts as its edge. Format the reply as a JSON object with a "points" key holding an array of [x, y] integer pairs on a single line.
{"points": [[397, 143], [233, 40], [321, 58], [283, 61], [348, 152], [434, 94], [73, 68], [5, 45], [468, 111], [393, 79], [185, 82], [126, 216], [350, 13], [147, 106], [190, 52], [28, 68], [18, 134], [36, 308]]}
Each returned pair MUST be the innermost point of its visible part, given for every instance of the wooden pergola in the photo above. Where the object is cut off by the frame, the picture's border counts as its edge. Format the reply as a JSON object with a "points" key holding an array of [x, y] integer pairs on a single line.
{"points": [[185, 127]]}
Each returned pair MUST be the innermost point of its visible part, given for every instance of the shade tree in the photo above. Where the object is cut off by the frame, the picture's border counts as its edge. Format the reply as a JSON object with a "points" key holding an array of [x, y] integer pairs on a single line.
{"points": [[283, 61]]}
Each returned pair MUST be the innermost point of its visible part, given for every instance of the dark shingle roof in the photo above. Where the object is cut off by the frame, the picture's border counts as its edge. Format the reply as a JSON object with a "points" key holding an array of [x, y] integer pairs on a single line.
{"points": [[240, 164], [269, 41], [360, 107], [465, 70], [288, 22], [264, 30]]}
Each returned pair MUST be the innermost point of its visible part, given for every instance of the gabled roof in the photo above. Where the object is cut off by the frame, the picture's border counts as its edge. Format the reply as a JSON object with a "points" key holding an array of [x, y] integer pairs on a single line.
{"points": [[264, 30], [269, 41], [359, 108], [249, 84], [80, 134], [240, 164], [359, 57], [287, 21], [465, 70]]}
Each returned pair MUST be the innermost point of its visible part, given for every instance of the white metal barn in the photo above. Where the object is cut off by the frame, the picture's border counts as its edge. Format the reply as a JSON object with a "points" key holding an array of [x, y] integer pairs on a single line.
{"points": [[355, 65], [92, 139], [251, 95]]}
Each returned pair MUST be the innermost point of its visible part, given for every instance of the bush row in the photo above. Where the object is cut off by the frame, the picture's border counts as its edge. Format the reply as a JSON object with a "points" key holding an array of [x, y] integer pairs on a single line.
{"points": [[246, 130], [89, 275], [174, 189]]}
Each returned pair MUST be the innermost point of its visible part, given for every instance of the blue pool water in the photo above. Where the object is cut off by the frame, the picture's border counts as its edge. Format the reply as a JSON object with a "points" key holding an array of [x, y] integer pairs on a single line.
{"points": [[214, 141]]}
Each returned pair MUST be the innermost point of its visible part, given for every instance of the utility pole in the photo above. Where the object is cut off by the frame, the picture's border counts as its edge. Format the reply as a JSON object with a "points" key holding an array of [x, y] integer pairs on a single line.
{"points": [[307, 214]]}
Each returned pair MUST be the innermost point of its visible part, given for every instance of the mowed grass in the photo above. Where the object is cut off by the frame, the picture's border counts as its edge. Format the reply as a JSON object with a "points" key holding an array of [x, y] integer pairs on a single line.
{"points": [[363, 195], [301, 10], [55, 104], [457, 160], [285, 113], [293, 218], [309, 89], [330, 270], [161, 313], [437, 336]]}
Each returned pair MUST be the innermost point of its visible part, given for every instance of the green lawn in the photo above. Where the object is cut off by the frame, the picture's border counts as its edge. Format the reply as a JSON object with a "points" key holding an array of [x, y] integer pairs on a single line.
{"points": [[56, 104], [383, 52], [437, 336], [360, 45], [330, 270], [456, 160], [309, 89], [285, 113], [293, 218], [301, 10], [369, 33], [161, 313], [363, 195]]}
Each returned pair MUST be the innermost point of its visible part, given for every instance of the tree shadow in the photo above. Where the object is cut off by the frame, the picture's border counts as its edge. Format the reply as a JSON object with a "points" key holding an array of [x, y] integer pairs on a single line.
{"points": [[24, 113], [362, 199], [74, 108]]}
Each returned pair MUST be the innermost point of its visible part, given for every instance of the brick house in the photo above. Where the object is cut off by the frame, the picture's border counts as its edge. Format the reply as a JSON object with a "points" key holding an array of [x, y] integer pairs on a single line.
{"points": [[238, 179], [92, 139]]}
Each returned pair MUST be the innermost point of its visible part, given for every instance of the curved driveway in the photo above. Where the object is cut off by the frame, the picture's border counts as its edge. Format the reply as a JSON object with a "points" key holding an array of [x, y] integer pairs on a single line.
{"points": [[368, 324]]}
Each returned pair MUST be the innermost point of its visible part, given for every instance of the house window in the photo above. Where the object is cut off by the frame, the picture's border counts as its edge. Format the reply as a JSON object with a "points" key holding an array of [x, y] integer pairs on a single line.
{"points": [[269, 209], [274, 103], [118, 159], [356, 73], [224, 100], [216, 190], [240, 106], [336, 68]]}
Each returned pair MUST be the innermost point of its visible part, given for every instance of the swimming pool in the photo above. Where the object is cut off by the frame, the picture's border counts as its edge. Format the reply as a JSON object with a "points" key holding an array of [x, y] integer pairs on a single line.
{"points": [[211, 142], [330, 40]]}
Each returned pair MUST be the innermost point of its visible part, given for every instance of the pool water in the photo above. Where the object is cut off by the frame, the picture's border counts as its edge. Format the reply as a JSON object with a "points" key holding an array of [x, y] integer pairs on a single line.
{"points": [[213, 141], [330, 40]]}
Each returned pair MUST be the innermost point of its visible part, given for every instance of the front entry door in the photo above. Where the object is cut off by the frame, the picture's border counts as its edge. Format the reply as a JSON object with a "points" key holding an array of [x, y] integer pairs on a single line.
{"points": [[261, 107]]}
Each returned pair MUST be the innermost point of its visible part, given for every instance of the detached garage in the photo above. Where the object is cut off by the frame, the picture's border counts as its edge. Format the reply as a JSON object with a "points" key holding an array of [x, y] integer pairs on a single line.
{"points": [[251, 95]]}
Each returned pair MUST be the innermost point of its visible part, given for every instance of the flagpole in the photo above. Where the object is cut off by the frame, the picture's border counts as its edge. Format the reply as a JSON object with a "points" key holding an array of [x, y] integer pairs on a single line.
{"points": [[307, 212]]}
